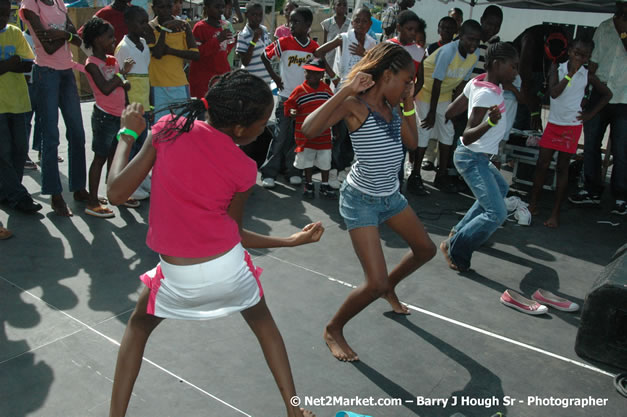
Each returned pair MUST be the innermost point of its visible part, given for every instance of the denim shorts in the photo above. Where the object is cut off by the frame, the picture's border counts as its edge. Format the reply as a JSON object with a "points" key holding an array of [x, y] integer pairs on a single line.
{"points": [[104, 129], [361, 210]]}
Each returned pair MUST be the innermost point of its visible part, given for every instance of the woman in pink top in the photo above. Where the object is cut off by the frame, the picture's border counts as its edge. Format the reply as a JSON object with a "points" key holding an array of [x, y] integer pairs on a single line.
{"points": [[53, 32], [196, 222]]}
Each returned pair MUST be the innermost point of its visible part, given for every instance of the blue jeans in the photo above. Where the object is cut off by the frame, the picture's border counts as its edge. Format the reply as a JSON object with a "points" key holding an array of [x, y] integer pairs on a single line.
{"points": [[359, 209], [13, 151], [487, 213], [614, 115], [32, 93], [282, 146], [57, 90]]}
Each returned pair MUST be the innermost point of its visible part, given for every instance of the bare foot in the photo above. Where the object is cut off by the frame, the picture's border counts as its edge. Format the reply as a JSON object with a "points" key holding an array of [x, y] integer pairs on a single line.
{"points": [[302, 412], [449, 261], [552, 222], [534, 210], [397, 306], [59, 207], [338, 346], [83, 196]]}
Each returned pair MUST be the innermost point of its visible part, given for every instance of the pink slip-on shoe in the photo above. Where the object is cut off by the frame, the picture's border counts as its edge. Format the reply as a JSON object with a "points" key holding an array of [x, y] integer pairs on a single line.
{"points": [[552, 300], [514, 300]]}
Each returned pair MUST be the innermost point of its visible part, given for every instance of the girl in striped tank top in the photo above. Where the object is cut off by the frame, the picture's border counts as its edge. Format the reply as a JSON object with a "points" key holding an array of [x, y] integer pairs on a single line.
{"points": [[368, 103]]}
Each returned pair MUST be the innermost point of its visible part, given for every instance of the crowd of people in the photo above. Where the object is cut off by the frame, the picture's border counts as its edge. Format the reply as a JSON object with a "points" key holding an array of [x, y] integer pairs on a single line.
{"points": [[168, 100]]}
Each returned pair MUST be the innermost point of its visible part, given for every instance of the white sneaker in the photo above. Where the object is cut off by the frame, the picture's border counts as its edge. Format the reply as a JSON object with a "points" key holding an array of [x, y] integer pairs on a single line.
{"points": [[140, 194], [295, 180], [268, 183], [146, 184], [341, 177], [333, 182]]}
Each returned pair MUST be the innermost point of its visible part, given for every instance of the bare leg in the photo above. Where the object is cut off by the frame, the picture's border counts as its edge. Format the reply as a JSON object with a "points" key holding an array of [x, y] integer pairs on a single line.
{"points": [[544, 161], [444, 151], [411, 229], [563, 159], [367, 245], [138, 329], [419, 154], [324, 175], [95, 171], [262, 324], [308, 174]]}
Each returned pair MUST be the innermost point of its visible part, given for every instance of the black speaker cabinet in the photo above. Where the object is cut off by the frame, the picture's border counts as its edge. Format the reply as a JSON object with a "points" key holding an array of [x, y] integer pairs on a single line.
{"points": [[602, 334]]}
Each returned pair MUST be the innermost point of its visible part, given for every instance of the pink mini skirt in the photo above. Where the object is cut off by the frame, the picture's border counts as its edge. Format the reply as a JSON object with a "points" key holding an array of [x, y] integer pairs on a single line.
{"points": [[212, 289]]}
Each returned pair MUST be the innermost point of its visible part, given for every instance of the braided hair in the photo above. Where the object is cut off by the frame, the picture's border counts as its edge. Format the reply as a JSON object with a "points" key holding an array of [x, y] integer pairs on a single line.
{"points": [[93, 28], [499, 51], [386, 55], [234, 98]]}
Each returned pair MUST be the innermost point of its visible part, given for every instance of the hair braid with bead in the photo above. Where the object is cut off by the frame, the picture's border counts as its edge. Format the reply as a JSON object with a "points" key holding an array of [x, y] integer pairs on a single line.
{"points": [[234, 98]]}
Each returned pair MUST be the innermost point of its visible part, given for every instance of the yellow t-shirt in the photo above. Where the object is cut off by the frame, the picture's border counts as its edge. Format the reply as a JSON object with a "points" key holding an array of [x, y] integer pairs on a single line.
{"points": [[168, 71], [13, 89], [447, 65]]}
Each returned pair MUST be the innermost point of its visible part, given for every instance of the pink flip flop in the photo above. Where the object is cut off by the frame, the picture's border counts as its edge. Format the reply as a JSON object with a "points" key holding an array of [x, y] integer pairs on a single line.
{"points": [[552, 300], [516, 301]]}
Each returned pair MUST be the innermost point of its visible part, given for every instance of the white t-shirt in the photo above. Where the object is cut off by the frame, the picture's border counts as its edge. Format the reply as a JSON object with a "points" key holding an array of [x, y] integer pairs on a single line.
{"points": [[345, 61], [484, 94], [127, 49], [565, 108]]}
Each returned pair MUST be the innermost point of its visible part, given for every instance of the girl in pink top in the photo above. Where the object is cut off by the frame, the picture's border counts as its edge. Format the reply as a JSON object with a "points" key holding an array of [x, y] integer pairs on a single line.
{"points": [[196, 223], [108, 85], [284, 30]]}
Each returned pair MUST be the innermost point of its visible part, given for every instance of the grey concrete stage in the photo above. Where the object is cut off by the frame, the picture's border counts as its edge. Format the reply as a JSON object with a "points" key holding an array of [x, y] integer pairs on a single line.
{"points": [[67, 287]]}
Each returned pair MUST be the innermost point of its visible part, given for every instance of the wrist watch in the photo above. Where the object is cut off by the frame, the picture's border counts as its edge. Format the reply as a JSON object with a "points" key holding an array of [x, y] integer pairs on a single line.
{"points": [[623, 35]]}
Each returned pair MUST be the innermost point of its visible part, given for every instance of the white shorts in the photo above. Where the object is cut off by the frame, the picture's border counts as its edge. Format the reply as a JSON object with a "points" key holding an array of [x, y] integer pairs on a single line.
{"points": [[309, 158], [212, 289], [441, 131]]}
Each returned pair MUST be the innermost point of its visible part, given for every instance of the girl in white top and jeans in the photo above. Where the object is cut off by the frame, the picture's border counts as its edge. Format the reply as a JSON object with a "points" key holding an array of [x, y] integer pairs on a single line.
{"points": [[480, 141]]}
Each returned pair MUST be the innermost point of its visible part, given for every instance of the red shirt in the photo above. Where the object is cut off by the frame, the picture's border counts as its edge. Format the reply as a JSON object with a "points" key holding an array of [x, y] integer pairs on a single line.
{"points": [[116, 18], [213, 58], [306, 100]]}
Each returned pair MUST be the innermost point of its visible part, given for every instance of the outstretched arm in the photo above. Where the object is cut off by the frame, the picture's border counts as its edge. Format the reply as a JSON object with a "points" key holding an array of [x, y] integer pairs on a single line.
{"points": [[124, 176], [310, 233]]}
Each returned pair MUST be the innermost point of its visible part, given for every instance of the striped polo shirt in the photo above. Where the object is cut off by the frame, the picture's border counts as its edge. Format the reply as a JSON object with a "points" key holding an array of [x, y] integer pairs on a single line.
{"points": [[480, 67], [379, 154], [255, 66], [305, 100]]}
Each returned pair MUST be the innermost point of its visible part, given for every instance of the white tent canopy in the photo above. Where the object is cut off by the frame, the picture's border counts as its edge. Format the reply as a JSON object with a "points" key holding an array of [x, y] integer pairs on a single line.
{"points": [[594, 6]]}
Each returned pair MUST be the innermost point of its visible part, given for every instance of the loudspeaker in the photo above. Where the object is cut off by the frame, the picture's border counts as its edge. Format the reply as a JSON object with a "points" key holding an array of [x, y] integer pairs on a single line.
{"points": [[602, 334]]}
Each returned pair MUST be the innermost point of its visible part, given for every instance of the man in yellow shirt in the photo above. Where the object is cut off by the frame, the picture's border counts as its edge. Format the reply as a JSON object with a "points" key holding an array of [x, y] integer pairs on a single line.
{"points": [[440, 74]]}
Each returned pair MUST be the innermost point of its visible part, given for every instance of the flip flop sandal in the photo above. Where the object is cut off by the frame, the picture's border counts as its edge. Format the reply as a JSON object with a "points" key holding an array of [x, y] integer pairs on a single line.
{"points": [[5, 233], [132, 203], [100, 211]]}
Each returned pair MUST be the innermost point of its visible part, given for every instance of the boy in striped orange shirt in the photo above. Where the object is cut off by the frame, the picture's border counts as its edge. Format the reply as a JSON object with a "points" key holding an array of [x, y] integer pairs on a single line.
{"points": [[305, 99]]}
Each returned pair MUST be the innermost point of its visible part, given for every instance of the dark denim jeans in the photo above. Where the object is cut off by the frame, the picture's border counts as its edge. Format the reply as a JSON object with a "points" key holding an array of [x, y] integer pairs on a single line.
{"points": [[282, 146], [13, 151], [32, 93], [614, 116], [487, 213], [57, 90]]}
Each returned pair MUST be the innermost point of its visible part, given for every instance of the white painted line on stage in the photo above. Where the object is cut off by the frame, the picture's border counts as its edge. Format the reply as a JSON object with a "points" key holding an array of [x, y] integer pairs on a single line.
{"points": [[115, 342], [462, 324]]}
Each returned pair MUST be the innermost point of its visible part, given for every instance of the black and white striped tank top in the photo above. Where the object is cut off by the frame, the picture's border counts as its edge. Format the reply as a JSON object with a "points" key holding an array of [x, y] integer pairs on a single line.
{"points": [[379, 154]]}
